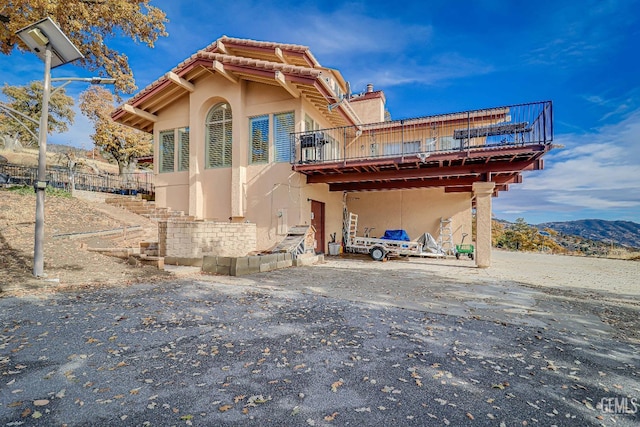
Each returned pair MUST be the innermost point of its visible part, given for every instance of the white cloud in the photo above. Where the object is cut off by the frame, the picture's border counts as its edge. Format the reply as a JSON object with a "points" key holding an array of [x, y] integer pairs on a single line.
{"points": [[615, 106], [597, 172], [343, 33], [441, 69], [573, 36]]}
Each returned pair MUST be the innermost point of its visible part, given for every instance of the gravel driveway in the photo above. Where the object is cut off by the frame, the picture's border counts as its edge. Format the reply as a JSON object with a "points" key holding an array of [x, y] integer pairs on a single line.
{"points": [[351, 342]]}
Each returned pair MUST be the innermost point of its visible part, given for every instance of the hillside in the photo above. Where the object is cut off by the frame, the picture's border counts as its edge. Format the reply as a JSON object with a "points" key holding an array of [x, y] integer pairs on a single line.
{"points": [[55, 157], [623, 233]]}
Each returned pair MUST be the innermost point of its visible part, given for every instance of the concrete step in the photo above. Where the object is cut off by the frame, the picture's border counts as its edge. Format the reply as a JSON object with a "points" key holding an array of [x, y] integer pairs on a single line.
{"points": [[156, 261]]}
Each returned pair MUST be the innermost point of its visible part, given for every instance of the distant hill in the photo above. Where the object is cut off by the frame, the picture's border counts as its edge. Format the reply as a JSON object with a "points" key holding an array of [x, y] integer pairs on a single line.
{"points": [[624, 233], [55, 157]]}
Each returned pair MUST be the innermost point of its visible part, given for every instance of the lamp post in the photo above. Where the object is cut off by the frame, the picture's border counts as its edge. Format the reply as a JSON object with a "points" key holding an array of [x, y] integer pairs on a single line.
{"points": [[50, 44]]}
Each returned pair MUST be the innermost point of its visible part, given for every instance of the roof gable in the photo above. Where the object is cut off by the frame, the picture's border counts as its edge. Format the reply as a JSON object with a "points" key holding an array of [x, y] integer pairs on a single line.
{"points": [[289, 66]]}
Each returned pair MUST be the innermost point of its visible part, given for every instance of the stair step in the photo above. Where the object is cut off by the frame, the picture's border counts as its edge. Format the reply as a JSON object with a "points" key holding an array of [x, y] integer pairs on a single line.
{"points": [[148, 209]]}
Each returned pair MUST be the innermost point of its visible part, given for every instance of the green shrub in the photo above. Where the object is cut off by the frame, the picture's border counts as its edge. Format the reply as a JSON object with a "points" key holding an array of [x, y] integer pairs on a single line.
{"points": [[26, 190]]}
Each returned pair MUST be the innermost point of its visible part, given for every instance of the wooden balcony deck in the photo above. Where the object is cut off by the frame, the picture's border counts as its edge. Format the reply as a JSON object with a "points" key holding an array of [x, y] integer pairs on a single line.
{"points": [[450, 151]]}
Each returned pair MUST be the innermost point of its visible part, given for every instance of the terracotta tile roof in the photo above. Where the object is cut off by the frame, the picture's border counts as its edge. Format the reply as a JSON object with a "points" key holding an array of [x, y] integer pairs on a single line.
{"points": [[207, 53], [235, 57], [368, 95], [258, 64], [257, 43]]}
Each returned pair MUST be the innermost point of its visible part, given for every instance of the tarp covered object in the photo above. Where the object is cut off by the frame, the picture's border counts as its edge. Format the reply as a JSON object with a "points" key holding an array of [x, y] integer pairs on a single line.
{"points": [[396, 235], [429, 244]]}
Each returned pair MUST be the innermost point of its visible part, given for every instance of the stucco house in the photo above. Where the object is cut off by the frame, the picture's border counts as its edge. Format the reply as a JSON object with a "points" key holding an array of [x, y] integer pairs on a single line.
{"points": [[252, 132]]}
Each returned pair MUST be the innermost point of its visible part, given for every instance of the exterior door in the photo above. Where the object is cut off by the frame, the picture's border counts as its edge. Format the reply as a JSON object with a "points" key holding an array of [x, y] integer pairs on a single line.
{"points": [[317, 221]]}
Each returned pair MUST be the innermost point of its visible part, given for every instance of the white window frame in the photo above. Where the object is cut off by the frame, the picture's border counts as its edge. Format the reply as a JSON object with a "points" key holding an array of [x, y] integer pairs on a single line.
{"points": [[255, 124], [166, 160], [182, 136], [226, 131], [284, 130]]}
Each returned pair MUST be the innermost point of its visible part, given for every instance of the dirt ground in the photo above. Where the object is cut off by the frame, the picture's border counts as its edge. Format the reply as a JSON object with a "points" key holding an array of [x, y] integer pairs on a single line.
{"points": [[610, 286], [66, 263]]}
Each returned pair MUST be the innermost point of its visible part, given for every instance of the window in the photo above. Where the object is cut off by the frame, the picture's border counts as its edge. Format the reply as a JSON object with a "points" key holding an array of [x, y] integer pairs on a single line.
{"points": [[398, 148], [183, 149], [259, 135], [283, 126], [219, 136], [311, 147], [448, 143], [167, 149], [310, 124], [331, 149], [167, 142]]}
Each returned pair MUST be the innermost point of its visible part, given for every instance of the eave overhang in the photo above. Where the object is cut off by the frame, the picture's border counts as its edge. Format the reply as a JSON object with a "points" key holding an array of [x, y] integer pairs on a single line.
{"points": [[291, 67]]}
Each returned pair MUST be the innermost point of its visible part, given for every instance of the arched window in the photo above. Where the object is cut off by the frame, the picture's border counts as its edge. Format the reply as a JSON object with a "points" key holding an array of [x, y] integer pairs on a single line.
{"points": [[218, 133]]}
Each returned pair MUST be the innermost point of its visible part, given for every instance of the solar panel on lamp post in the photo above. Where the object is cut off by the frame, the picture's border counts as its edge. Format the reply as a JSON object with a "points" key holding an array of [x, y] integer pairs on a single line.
{"points": [[50, 44]]}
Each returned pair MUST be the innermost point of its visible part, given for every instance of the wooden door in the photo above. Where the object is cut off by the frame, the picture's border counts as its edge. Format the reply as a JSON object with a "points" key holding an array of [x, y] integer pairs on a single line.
{"points": [[317, 221]]}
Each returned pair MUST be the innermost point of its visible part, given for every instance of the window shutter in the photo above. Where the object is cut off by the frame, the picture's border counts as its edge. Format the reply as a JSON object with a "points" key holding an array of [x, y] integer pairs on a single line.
{"points": [[167, 148], [183, 153], [219, 136], [283, 125], [259, 134]]}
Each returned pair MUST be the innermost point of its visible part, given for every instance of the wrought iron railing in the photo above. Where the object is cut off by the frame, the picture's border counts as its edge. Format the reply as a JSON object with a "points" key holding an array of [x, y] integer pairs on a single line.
{"points": [[130, 183], [513, 125]]}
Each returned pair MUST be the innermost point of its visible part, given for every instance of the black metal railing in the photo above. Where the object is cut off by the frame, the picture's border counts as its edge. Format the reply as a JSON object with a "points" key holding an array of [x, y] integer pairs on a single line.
{"points": [[129, 183], [513, 125]]}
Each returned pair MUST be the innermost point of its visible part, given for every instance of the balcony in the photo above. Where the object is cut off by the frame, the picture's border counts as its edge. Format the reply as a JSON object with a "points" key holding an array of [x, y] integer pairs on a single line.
{"points": [[449, 150]]}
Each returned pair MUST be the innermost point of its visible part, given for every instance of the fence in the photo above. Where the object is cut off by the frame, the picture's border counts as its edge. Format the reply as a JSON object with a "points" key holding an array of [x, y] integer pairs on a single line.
{"points": [[130, 183]]}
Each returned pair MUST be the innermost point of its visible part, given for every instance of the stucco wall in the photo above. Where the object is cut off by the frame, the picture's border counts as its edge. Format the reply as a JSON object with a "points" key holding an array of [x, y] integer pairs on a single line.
{"points": [[416, 211], [369, 110], [278, 199], [195, 239], [171, 187], [271, 196], [332, 212]]}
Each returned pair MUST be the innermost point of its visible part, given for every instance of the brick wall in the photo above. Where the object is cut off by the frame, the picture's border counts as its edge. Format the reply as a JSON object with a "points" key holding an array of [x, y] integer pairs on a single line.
{"points": [[195, 239]]}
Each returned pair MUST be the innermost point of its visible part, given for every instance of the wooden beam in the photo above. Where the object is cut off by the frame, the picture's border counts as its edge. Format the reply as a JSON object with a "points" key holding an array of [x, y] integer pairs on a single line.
{"points": [[400, 185], [222, 48], [419, 173], [280, 55], [140, 113], [403, 185], [465, 189], [279, 76], [180, 81], [323, 87], [218, 67]]}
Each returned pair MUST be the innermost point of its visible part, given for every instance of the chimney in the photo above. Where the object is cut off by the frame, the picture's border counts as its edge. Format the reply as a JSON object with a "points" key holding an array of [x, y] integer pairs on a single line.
{"points": [[370, 88]]}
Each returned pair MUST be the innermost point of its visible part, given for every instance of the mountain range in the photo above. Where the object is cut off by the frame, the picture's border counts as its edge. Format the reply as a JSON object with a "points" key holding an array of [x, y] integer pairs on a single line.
{"points": [[624, 233]]}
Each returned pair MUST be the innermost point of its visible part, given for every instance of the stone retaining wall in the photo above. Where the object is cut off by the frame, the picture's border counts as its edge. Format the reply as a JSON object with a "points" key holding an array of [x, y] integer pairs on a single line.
{"points": [[245, 265], [196, 239]]}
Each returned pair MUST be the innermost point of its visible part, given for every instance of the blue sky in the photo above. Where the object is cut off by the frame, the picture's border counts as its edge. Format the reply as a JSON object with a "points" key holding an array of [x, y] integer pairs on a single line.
{"points": [[434, 57]]}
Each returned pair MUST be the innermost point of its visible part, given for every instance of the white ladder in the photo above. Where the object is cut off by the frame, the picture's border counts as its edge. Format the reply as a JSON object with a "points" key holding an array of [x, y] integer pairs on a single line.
{"points": [[353, 228], [445, 240]]}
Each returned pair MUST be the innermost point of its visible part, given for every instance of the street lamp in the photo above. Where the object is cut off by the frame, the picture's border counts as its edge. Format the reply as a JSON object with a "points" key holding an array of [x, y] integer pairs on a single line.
{"points": [[91, 80], [50, 44]]}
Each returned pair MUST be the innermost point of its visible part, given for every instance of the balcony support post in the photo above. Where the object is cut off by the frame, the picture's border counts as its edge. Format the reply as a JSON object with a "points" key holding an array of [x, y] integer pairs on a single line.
{"points": [[483, 192]]}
